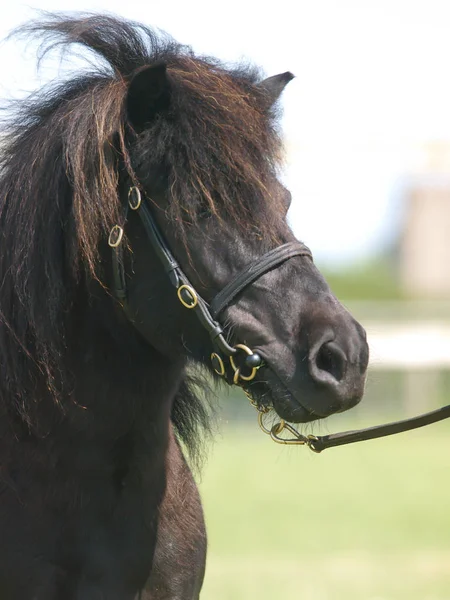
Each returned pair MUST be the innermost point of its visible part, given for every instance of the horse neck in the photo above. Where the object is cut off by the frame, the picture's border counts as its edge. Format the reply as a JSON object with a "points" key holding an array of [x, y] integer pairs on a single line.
{"points": [[120, 382], [114, 412]]}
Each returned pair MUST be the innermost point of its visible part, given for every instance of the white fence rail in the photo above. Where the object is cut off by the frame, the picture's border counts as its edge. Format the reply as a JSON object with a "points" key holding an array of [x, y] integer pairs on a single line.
{"points": [[414, 345]]}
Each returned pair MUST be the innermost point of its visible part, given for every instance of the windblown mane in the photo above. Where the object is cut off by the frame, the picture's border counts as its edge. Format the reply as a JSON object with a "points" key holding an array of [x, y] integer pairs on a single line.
{"points": [[59, 178]]}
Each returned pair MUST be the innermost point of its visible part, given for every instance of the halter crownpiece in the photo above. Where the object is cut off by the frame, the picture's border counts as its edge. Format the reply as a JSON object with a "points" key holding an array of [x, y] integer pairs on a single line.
{"points": [[243, 362]]}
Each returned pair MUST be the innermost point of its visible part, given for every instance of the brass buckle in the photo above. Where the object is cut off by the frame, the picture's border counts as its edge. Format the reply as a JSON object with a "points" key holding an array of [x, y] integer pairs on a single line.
{"points": [[193, 294], [115, 236]]}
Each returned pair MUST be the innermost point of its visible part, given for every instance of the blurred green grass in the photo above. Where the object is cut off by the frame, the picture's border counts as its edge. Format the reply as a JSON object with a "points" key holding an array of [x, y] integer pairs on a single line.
{"points": [[365, 522]]}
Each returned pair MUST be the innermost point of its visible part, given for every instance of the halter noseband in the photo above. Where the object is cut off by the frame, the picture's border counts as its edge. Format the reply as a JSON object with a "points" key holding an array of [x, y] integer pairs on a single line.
{"points": [[207, 314]]}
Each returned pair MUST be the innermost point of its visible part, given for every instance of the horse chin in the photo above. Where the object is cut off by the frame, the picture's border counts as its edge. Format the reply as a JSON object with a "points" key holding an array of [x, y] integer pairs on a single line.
{"points": [[290, 409], [274, 393]]}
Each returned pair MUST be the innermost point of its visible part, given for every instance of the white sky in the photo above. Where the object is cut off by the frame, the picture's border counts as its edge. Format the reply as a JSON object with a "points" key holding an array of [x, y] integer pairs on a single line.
{"points": [[372, 86]]}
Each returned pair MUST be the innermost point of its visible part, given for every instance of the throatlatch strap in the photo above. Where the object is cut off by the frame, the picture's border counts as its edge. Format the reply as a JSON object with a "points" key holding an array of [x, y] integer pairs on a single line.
{"points": [[254, 270]]}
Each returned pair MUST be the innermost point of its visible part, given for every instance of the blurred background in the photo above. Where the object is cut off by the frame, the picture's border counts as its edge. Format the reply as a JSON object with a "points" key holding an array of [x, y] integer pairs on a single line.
{"points": [[367, 129]]}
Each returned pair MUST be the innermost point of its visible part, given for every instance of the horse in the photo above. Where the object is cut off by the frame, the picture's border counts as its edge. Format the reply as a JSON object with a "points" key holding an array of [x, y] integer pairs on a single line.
{"points": [[144, 250]]}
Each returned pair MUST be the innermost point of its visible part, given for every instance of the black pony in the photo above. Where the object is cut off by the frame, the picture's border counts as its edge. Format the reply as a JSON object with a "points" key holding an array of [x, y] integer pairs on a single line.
{"points": [[96, 500]]}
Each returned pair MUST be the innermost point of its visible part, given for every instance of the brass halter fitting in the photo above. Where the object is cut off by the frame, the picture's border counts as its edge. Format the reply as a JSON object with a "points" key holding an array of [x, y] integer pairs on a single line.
{"points": [[187, 296], [218, 364], [275, 431], [115, 236], [134, 198], [237, 370]]}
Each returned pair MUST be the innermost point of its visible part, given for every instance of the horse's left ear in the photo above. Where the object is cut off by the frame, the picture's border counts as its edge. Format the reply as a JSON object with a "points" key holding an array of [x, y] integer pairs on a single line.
{"points": [[273, 86], [148, 95]]}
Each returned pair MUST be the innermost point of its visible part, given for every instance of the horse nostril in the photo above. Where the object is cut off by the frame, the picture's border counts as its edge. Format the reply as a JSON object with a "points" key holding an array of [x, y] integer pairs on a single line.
{"points": [[330, 359]]}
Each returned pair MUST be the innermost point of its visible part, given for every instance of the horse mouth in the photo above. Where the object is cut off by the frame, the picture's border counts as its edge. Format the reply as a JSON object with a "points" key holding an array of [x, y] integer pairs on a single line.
{"points": [[269, 390]]}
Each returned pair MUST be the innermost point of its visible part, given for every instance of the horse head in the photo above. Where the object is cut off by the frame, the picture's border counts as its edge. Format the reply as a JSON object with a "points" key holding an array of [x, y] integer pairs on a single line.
{"points": [[205, 154]]}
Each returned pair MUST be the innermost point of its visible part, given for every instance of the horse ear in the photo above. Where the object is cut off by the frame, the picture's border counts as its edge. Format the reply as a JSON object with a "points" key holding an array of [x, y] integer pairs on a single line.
{"points": [[148, 95], [273, 86]]}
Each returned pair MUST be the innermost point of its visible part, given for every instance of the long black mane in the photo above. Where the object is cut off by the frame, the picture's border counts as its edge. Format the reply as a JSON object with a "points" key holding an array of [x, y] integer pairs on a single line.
{"points": [[59, 184]]}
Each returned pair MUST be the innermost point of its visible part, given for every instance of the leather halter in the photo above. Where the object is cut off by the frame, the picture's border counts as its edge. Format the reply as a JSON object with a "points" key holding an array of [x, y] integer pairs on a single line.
{"points": [[207, 315]]}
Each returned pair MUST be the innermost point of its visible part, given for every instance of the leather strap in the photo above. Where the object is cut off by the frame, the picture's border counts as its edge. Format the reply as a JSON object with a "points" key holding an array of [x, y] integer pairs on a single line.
{"points": [[167, 259], [118, 267], [176, 277], [319, 443], [254, 271]]}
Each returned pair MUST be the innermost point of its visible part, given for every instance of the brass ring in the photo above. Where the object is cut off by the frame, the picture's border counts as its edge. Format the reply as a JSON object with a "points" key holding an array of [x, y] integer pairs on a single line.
{"points": [[310, 442], [221, 371], [236, 369], [236, 377], [136, 190], [263, 427], [115, 236], [192, 292], [278, 427], [297, 440]]}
